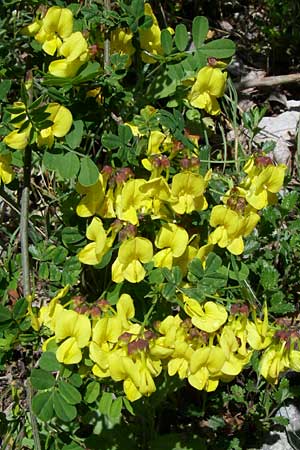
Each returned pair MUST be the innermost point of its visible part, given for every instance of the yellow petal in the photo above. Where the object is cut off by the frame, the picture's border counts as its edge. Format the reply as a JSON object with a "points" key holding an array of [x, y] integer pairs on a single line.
{"points": [[17, 141], [61, 117], [214, 317], [58, 20], [65, 69], [69, 352], [73, 47]]}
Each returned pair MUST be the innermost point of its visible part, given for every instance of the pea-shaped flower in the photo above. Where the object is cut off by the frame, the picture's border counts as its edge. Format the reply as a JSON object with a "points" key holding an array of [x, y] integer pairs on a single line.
{"points": [[56, 26], [62, 121], [209, 85], [133, 253], [173, 241], [187, 193], [75, 330], [209, 318]]}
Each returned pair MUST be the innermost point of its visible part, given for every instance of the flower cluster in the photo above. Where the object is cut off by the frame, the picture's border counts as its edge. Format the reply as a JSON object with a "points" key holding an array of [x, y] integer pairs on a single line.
{"points": [[55, 32], [123, 204], [59, 122], [238, 216], [208, 346]]}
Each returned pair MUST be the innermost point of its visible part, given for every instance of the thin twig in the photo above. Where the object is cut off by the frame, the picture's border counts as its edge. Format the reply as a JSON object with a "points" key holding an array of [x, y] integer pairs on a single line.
{"points": [[107, 7], [24, 222], [34, 427], [268, 81]]}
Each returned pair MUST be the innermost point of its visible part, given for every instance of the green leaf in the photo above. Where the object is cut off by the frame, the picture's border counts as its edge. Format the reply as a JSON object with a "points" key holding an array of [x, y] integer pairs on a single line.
{"points": [[137, 8], [52, 159], [54, 273], [125, 134], [166, 41], [69, 165], [75, 379], [216, 422], [42, 405], [74, 137], [113, 295], [49, 362], [69, 392], [105, 403], [169, 291], [269, 278], [92, 392], [280, 305], [280, 420], [59, 255], [20, 309], [71, 235], [128, 405], [89, 172], [40, 379], [116, 408], [63, 409], [111, 141], [290, 201], [19, 118], [4, 88], [220, 48], [199, 30], [181, 37], [5, 314], [178, 441], [89, 72]]}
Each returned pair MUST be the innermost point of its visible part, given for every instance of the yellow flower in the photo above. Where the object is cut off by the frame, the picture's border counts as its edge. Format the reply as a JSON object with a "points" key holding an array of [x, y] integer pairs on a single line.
{"points": [[131, 201], [105, 347], [209, 318], [205, 366], [92, 201], [150, 38], [121, 42], [93, 252], [6, 172], [15, 139], [273, 362], [128, 265], [158, 191], [56, 26], [158, 141], [259, 334], [269, 181], [209, 85], [75, 52], [48, 313], [62, 121], [173, 240], [234, 361], [230, 228], [138, 371], [75, 330], [187, 193], [58, 114]]}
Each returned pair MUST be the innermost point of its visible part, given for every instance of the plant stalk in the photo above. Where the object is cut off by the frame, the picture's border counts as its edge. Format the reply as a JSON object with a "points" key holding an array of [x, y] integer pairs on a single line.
{"points": [[24, 223], [107, 7]]}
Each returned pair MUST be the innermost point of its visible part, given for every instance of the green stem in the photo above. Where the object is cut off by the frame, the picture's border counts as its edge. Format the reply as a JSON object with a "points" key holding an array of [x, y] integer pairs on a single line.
{"points": [[24, 222], [107, 7], [34, 427]]}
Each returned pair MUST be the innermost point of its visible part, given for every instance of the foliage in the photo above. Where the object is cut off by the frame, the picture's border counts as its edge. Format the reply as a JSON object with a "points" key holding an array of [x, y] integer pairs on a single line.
{"points": [[163, 295]]}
